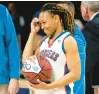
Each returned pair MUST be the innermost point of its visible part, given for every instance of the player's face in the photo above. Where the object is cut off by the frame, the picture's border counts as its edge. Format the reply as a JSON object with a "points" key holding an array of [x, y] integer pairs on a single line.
{"points": [[48, 23]]}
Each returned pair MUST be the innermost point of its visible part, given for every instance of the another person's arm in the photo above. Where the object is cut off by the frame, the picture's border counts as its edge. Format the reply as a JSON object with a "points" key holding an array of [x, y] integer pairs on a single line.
{"points": [[13, 53]]}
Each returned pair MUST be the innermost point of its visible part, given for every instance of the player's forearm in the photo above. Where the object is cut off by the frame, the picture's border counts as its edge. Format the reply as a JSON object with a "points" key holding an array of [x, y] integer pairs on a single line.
{"points": [[67, 79], [29, 47]]}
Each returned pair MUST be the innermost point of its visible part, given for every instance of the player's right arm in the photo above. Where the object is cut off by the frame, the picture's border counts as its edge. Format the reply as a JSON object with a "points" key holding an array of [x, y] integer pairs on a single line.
{"points": [[29, 47]]}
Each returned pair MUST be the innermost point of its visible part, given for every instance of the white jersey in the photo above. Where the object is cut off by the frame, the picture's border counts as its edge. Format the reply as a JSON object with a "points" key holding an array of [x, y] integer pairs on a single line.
{"points": [[56, 56]]}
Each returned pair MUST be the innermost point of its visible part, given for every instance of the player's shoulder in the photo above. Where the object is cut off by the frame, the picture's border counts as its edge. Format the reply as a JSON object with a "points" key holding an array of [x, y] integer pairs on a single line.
{"points": [[69, 39], [70, 42]]}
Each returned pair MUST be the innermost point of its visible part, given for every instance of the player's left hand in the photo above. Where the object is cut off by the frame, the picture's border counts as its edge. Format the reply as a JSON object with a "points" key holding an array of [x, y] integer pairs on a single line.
{"points": [[41, 85], [13, 86]]}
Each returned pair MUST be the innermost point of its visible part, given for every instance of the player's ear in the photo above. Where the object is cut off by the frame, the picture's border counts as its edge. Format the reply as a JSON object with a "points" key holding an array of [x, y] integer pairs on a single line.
{"points": [[56, 17]]}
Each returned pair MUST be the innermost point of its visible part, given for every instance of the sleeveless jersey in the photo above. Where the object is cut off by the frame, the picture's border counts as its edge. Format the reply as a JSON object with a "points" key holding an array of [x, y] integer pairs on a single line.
{"points": [[56, 55]]}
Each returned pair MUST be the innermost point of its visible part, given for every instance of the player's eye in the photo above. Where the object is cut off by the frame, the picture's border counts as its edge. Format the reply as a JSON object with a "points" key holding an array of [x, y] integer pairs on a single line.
{"points": [[44, 23]]}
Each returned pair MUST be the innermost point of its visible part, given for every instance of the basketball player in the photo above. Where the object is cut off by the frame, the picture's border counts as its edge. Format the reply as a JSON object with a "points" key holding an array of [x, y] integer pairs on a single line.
{"points": [[59, 47]]}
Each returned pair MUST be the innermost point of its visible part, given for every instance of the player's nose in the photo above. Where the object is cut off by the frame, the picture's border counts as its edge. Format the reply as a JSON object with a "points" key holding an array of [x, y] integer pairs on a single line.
{"points": [[42, 26]]}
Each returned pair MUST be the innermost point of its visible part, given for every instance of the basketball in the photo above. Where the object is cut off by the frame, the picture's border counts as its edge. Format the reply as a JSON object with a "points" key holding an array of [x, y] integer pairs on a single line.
{"points": [[38, 68]]}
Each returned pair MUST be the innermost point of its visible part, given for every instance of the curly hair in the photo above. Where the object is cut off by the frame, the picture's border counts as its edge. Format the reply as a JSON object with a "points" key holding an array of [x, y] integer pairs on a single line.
{"points": [[64, 15]]}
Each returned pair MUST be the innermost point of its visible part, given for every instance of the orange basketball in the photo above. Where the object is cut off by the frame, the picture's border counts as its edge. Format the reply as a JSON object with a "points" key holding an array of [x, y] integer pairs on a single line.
{"points": [[38, 68]]}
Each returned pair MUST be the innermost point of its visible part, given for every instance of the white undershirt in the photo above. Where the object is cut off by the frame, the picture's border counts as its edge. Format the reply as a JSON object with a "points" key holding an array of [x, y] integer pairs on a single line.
{"points": [[93, 15]]}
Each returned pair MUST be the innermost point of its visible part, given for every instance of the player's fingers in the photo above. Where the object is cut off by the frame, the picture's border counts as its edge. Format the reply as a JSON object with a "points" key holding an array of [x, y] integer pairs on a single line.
{"points": [[38, 81], [32, 57], [34, 20], [32, 85]]}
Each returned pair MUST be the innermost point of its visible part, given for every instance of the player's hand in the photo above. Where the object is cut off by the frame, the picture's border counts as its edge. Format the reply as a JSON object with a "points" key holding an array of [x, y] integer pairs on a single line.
{"points": [[32, 57], [35, 25], [41, 85], [13, 86]]}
